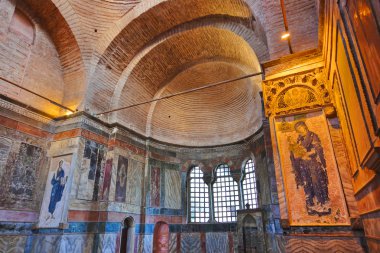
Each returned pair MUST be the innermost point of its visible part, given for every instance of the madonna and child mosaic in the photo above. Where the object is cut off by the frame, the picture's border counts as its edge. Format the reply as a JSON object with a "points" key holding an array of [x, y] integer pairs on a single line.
{"points": [[313, 189]]}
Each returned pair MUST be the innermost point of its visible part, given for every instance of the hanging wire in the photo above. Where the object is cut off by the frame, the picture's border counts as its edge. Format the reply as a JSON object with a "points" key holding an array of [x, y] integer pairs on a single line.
{"points": [[181, 93]]}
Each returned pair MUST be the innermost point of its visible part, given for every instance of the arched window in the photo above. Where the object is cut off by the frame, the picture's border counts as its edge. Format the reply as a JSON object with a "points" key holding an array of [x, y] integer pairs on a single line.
{"points": [[249, 185], [199, 196], [225, 194]]}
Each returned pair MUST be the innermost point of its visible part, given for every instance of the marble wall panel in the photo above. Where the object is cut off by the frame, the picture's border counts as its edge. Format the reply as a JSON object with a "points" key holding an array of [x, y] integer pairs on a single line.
{"points": [[190, 243], [217, 242], [173, 243], [135, 182], [5, 148], [145, 244], [91, 169], [172, 183], [107, 243], [46, 244], [155, 187], [340, 151], [12, 244], [77, 243]]}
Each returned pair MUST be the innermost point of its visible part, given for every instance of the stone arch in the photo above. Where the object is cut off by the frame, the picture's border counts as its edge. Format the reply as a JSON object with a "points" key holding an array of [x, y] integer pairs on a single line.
{"points": [[145, 7], [218, 22], [62, 35], [246, 159], [139, 85], [114, 52]]}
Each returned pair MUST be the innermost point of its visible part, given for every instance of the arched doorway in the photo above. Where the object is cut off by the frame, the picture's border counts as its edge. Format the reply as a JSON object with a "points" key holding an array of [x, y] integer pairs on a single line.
{"points": [[250, 235], [127, 241]]}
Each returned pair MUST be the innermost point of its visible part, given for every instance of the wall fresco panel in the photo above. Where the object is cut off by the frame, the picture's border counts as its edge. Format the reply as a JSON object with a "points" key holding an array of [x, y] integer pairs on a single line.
{"points": [[21, 176], [121, 179], [90, 171], [106, 186], [56, 193]]}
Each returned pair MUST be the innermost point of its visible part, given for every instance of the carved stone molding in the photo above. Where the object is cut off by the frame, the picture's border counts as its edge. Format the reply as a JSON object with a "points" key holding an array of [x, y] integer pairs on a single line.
{"points": [[24, 111], [294, 93]]}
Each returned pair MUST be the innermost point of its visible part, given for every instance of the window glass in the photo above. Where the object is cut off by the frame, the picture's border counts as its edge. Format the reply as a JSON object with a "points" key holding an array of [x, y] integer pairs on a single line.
{"points": [[199, 197], [249, 185], [226, 195]]}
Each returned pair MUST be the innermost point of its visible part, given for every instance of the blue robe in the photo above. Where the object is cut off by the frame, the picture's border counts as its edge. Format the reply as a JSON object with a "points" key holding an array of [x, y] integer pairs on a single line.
{"points": [[311, 173], [56, 190]]}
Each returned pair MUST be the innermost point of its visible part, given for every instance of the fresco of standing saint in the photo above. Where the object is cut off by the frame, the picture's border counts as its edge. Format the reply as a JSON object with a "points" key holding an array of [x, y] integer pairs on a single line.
{"points": [[58, 183], [121, 180], [310, 170]]}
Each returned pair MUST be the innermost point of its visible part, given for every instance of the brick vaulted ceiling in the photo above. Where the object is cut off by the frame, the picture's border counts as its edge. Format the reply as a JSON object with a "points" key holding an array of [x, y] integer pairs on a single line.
{"points": [[116, 53]]}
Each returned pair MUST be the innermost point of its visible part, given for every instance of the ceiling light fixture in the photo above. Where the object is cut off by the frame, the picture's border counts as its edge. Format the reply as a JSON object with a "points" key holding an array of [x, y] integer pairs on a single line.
{"points": [[285, 36]]}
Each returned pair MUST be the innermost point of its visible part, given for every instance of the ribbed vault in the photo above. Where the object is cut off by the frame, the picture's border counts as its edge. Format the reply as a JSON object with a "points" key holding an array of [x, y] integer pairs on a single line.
{"points": [[175, 55], [214, 116], [173, 41], [146, 24]]}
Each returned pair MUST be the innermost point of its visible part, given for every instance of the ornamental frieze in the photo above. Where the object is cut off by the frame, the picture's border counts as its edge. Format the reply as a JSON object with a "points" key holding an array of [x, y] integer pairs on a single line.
{"points": [[296, 92]]}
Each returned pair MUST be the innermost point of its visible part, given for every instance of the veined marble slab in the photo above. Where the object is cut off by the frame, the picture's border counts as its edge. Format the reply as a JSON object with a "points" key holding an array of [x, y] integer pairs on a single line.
{"points": [[172, 189]]}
